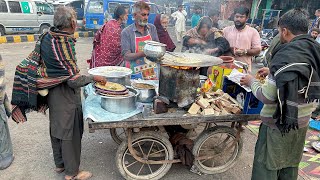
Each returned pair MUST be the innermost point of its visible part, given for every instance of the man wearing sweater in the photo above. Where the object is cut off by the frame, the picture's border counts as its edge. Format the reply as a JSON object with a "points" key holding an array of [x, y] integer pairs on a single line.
{"points": [[291, 87]]}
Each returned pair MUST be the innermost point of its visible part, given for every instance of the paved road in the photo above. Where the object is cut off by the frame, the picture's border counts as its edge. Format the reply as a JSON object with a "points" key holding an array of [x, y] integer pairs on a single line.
{"points": [[32, 146]]}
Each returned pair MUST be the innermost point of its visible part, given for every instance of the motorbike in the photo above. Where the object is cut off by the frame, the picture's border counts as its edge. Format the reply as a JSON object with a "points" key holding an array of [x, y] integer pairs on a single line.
{"points": [[266, 39]]}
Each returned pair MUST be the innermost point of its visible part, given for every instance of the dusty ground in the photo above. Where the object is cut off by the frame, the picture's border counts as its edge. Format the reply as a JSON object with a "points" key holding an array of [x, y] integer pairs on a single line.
{"points": [[32, 148]]}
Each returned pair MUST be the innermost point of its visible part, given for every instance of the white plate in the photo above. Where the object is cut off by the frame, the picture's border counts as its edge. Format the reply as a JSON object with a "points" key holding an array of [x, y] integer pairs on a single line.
{"points": [[110, 71]]}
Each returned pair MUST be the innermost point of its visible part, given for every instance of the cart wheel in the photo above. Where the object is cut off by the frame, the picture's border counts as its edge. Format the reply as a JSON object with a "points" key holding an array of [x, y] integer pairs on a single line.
{"points": [[150, 146], [118, 135], [216, 142]]}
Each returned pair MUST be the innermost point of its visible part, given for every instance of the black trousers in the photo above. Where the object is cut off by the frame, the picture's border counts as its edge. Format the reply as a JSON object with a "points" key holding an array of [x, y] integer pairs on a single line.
{"points": [[67, 153]]}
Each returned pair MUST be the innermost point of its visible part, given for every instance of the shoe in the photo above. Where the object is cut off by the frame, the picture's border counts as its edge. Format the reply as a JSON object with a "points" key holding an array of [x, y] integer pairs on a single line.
{"points": [[59, 170], [6, 162]]}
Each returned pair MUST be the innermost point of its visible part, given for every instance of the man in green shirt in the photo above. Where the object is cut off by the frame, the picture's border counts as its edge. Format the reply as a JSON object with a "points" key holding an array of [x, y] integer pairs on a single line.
{"points": [[196, 16]]}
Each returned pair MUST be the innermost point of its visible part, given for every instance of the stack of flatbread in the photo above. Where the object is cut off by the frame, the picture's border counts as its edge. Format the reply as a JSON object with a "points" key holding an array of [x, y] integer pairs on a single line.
{"points": [[111, 89]]}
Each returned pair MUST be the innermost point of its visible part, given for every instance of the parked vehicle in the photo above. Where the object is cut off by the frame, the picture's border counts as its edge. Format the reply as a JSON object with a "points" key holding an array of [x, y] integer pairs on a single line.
{"points": [[78, 6], [25, 16], [267, 36], [94, 14]]}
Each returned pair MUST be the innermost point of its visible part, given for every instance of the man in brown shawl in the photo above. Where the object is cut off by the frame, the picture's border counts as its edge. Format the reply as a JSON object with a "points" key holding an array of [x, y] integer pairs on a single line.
{"points": [[51, 69]]}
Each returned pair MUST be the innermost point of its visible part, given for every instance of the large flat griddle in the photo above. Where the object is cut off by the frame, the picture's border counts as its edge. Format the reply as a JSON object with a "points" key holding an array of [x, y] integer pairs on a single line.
{"points": [[190, 60]]}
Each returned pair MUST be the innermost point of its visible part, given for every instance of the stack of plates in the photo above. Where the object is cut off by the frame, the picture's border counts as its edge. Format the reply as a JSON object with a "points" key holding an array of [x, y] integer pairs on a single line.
{"points": [[111, 89]]}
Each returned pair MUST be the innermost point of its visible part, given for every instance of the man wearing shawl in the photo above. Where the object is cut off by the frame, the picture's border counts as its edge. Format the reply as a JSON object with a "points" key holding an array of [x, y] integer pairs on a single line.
{"points": [[161, 22], [51, 69], [292, 85]]}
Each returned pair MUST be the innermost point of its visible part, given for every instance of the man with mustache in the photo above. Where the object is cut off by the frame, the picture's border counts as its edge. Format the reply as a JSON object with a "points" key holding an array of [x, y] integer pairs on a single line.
{"points": [[243, 39], [133, 40]]}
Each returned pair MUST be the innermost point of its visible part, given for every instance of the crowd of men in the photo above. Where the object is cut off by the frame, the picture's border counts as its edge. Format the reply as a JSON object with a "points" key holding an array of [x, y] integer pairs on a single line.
{"points": [[49, 78]]}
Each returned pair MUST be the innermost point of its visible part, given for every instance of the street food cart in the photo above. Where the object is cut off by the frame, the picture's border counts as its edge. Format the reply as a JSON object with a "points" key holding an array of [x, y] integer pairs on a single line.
{"points": [[145, 151]]}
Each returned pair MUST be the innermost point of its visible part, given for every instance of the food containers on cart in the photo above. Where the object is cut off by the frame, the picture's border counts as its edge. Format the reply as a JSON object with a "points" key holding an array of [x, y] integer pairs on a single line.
{"points": [[115, 74], [120, 104], [147, 92]]}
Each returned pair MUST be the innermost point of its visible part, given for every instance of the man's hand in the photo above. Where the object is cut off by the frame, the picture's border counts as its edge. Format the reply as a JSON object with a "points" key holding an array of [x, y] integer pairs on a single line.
{"points": [[199, 41], [239, 52], [246, 80], [100, 79], [141, 54], [263, 72], [211, 51]]}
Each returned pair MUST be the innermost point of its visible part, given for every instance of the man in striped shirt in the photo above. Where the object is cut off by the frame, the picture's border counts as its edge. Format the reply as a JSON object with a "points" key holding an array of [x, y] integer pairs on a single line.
{"points": [[287, 109]]}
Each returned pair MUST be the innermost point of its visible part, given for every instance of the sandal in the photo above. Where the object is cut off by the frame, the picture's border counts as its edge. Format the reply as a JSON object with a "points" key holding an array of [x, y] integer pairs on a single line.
{"points": [[82, 175], [316, 145]]}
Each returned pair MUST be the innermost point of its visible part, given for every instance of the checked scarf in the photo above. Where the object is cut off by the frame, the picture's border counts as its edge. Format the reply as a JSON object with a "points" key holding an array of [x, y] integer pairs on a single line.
{"points": [[51, 63]]}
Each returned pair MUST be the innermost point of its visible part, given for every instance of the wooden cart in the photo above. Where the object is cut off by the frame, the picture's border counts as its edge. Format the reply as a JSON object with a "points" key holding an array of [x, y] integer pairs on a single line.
{"points": [[147, 153]]}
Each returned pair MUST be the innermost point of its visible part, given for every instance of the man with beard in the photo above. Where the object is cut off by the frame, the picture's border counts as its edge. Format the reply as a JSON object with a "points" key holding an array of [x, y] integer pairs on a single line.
{"points": [[244, 40], [133, 40], [292, 85]]}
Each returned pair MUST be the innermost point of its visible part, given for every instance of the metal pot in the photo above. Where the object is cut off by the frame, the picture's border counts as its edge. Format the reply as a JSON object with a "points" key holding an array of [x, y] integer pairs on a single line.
{"points": [[154, 49], [119, 104], [145, 95]]}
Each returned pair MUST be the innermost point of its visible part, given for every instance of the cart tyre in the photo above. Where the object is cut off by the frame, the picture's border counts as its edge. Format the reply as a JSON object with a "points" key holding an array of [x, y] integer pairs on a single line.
{"points": [[146, 135], [204, 136], [115, 136]]}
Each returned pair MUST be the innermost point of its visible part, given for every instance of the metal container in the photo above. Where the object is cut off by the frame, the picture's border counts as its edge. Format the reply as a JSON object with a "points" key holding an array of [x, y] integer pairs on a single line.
{"points": [[145, 95], [154, 49], [178, 85], [120, 104], [115, 74], [202, 80], [124, 80]]}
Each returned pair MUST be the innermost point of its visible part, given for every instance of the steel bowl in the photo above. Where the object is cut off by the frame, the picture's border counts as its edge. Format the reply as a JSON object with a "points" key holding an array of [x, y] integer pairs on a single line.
{"points": [[145, 95], [114, 74], [120, 104], [154, 49], [124, 80]]}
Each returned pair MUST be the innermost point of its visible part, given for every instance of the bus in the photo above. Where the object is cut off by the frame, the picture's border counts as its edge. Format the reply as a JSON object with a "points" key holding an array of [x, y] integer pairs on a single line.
{"points": [[95, 10]]}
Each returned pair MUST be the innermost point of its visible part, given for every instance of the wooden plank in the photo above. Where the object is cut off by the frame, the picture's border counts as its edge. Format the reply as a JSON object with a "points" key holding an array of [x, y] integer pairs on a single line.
{"points": [[203, 103], [194, 109], [167, 119]]}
